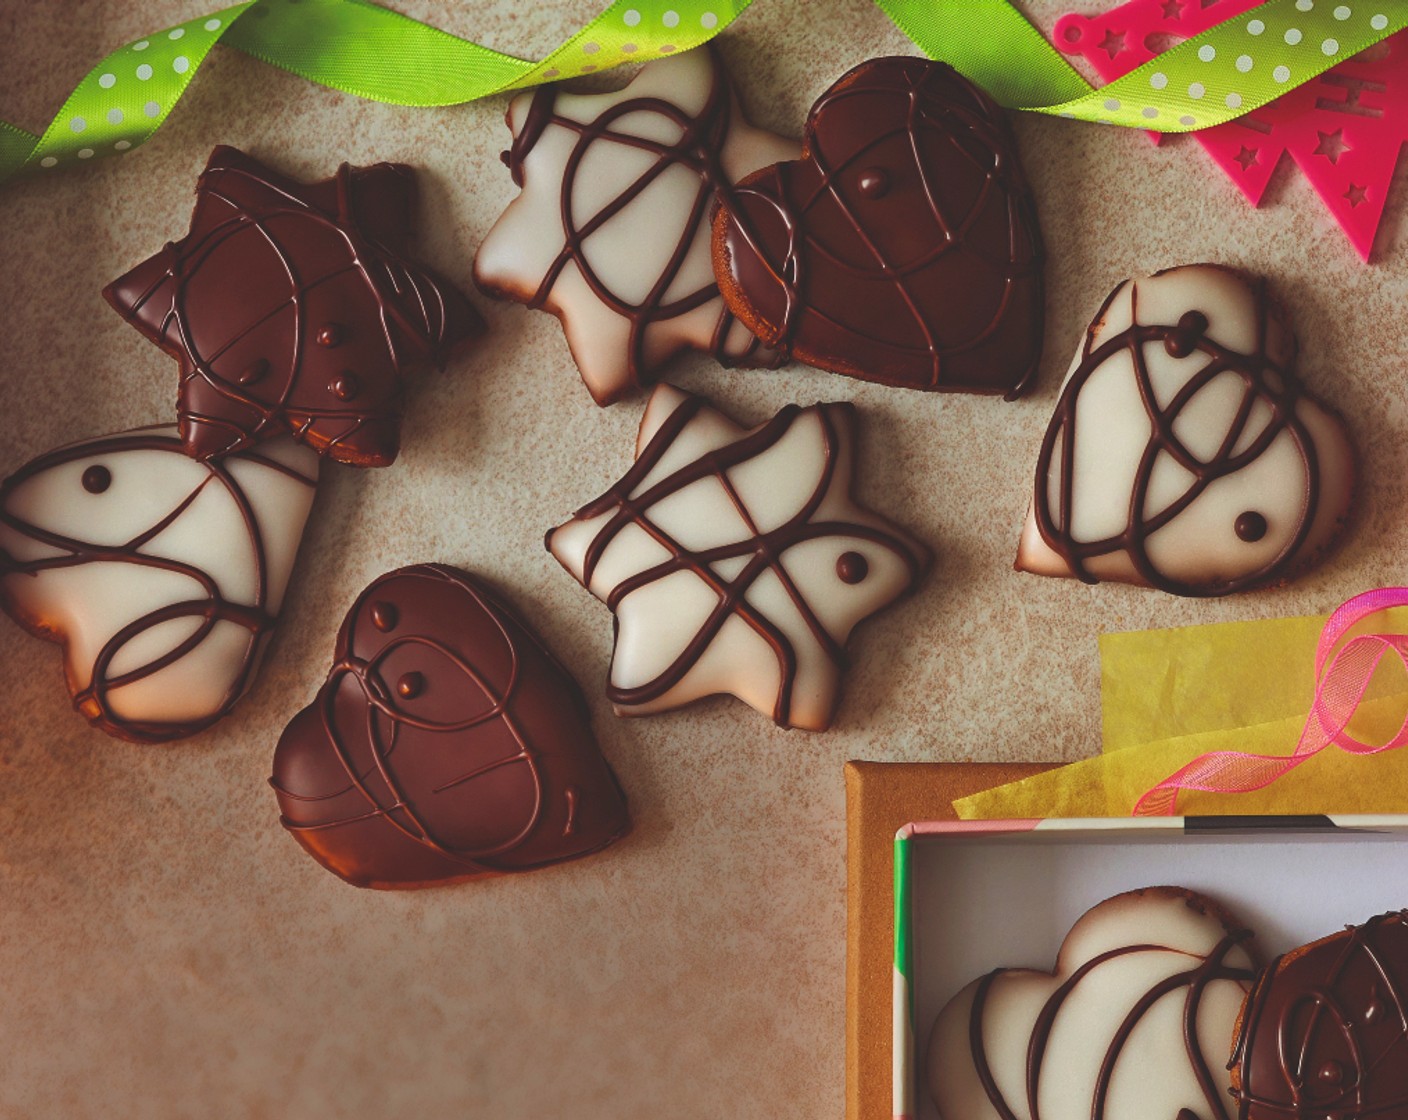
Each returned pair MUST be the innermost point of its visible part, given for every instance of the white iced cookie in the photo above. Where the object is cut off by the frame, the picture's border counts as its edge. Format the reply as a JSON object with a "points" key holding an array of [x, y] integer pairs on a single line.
{"points": [[160, 575], [611, 232], [1183, 454], [1135, 1023], [736, 560]]}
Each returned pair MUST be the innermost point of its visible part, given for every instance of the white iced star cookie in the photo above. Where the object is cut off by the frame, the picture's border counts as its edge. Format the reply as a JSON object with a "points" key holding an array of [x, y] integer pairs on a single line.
{"points": [[1183, 454], [161, 576], [1135, 1022], [736, 560], [611, 231]]}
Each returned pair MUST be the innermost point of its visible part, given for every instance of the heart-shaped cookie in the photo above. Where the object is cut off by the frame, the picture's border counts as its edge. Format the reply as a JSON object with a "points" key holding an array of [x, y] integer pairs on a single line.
{"points": [[1324, 1034], [1134, 1023], [295, 307], [1183, 454], [160, 575], [902, 247], [447, 743]]}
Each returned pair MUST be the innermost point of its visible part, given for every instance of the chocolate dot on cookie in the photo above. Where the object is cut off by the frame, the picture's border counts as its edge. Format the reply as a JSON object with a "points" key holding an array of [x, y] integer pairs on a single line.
{"points": [[253, 372], [331, 335], [874, 182], [384, 616], [852, 567], [344, 387], [410, 685], [1192, 325], [97, 478], [1250, 526]]}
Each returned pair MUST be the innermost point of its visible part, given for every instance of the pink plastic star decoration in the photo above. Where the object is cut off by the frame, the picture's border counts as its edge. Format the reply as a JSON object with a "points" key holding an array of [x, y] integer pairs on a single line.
{"points": [[1344, 128]]}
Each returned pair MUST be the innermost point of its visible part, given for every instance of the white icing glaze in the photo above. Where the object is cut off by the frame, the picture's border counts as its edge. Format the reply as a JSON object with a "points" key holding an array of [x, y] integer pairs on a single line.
{"points": [[630, 252], [80, 566], [1157, 936], [1199, 546], [783, 498]]}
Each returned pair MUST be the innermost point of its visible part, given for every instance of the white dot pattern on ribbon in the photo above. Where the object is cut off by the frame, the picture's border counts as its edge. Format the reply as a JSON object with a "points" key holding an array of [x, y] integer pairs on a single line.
{"points": [[78, 124], [1305, 5], [144, 72], [1330, 46], [670, 19], [85, 153], [1196, 90], [1256, 27], [1150, 112], [1379, 22], [1234, 100], [114, 116], [152, 109], [180, 64], [175, 33], [1189, 121], [708, 21], [1158, 80], [590, 48], [1111, 104], [1207, 52], [48, 161], [141, 46], [1293, 36], [1342, 13], [123, 145], [212, 25], [1244, 63], [1282, 73], [107, 81], [630, 17]]}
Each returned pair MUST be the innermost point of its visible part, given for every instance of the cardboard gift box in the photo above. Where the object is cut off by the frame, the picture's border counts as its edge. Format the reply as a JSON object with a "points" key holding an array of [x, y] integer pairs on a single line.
{"points": [[968, 897]]}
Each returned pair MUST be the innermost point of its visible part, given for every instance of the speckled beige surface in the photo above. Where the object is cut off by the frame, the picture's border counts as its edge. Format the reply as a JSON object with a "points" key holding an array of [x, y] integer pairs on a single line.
{"points": [[168, 952]]}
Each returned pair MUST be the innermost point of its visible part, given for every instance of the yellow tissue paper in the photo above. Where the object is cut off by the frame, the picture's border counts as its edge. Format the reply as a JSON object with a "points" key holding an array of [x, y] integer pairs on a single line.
{"points": [[1169, 696]]}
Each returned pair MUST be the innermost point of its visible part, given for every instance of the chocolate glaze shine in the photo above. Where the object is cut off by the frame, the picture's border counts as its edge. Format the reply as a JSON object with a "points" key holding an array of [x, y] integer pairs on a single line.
{"points": [[1324, 1033], [447, 744], [279, 288], [903, 246]]}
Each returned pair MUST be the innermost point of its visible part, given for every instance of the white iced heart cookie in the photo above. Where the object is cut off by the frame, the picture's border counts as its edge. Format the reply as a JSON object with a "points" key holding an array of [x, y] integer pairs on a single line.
{"points": [[736, 560], [1135, 1023], [1183, 454], [611, 232], [160, 575]]}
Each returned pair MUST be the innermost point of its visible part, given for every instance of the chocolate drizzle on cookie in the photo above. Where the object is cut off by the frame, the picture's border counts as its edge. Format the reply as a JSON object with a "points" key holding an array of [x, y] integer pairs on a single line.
{"points": [[903, 247], [697, 149], [626, 506], [1324, 1034], [205, 604], [1194, 980], [447, 743], [307, 281], [1266, 384]]}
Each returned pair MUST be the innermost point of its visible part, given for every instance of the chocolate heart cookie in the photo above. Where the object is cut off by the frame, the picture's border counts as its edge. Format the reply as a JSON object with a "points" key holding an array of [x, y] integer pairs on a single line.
{"points": [[902, 247], [446, 744]]}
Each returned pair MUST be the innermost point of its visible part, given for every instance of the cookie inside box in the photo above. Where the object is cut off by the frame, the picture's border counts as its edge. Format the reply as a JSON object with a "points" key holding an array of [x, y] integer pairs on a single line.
{"points": [[980, 898]]}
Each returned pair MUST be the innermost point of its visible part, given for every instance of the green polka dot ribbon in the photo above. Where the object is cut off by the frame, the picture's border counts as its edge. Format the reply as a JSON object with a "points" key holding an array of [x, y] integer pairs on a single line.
{"points": [[372, 52]]}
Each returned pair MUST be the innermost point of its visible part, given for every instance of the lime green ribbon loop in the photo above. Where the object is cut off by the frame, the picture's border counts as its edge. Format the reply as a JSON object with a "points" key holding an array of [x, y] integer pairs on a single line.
{"points": [[361, 48]]}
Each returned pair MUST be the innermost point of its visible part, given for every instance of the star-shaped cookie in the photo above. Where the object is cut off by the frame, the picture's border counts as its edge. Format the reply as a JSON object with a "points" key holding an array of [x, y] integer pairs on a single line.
{"points": [[293, 307], [737, 560], [611, 230]]}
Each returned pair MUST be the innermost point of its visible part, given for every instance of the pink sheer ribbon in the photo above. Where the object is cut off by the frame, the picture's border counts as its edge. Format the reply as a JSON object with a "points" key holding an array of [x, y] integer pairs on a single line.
{"points": [[1338, 693]]}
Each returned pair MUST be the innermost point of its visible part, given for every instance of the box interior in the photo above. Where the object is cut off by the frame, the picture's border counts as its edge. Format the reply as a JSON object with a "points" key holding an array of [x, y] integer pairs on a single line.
{"points": [[985, 902]]}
